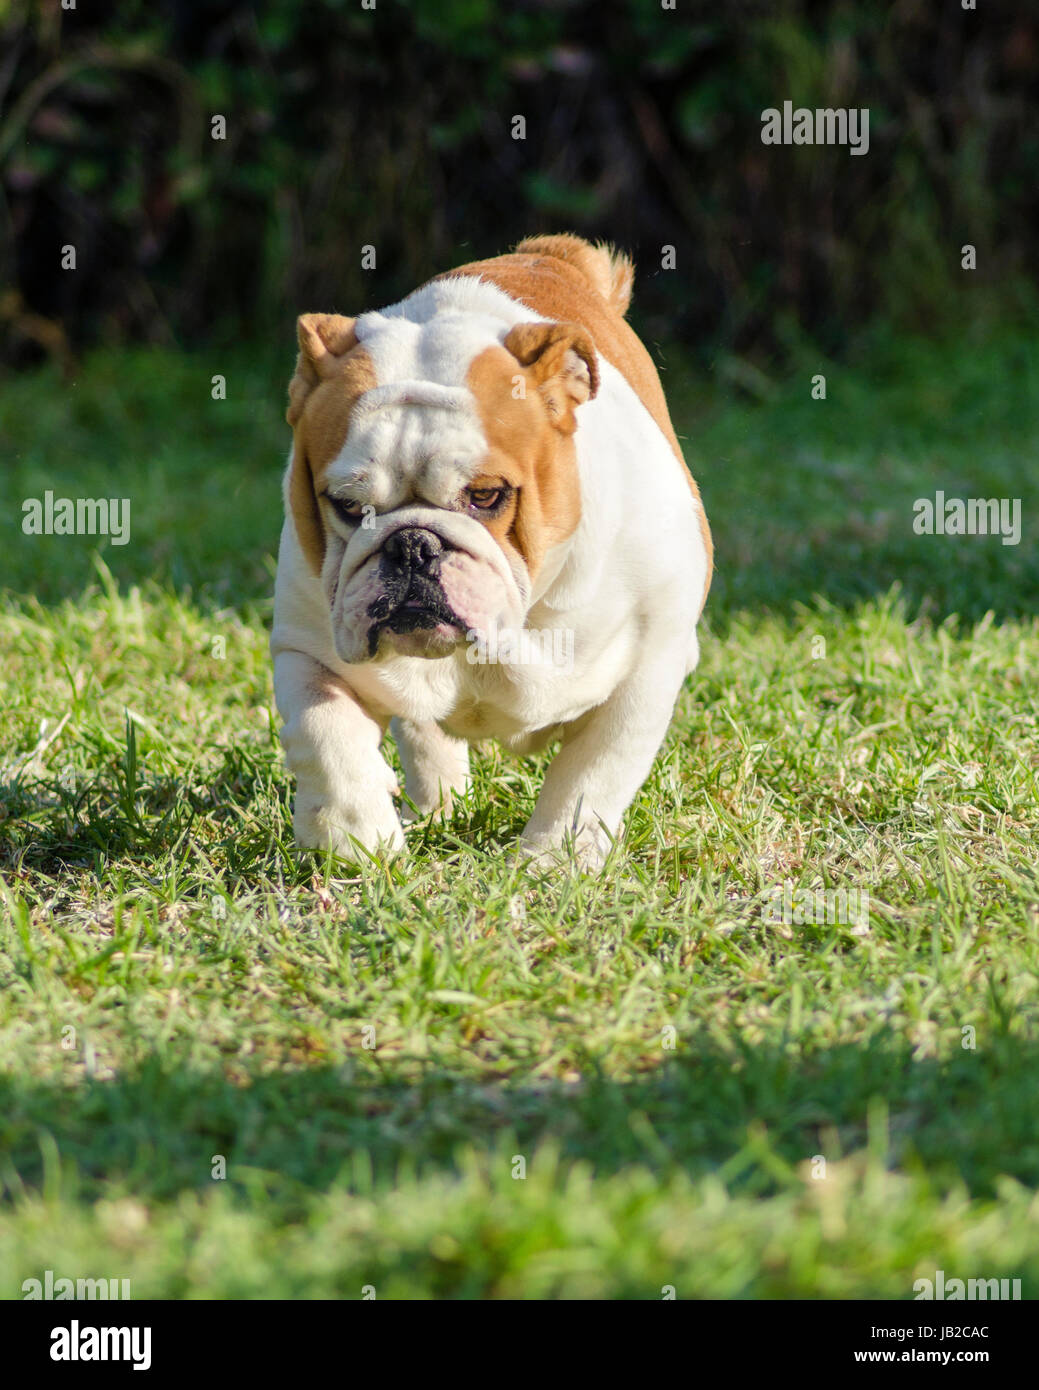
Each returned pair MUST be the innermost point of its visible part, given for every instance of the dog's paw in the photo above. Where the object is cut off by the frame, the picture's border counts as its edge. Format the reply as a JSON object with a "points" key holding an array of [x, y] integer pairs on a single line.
{"points": [[585, 848], [355, 832], [439, 812]]}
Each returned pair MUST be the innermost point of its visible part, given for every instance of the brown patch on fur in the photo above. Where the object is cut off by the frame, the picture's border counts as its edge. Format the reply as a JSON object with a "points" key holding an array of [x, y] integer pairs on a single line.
{"points": [[530, 441], [562, 365], [569, 280], [323, 339], [332, 371], [610, 271]]}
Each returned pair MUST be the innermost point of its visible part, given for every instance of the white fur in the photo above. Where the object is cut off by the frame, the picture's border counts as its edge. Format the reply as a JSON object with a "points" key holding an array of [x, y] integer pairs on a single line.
{"points": [[628, 584]]}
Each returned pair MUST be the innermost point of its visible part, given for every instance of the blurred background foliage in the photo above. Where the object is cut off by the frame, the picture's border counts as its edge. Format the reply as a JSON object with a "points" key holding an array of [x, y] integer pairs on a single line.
{"points": [[392, 127]]}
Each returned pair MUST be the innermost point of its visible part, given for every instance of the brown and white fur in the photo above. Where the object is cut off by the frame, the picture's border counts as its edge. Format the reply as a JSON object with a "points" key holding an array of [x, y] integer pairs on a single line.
{"points": [[505, 432]]}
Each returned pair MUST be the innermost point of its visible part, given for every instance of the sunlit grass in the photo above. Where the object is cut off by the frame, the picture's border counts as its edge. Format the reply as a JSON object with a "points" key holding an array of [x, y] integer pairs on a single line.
{"points": [[449, 1077]]}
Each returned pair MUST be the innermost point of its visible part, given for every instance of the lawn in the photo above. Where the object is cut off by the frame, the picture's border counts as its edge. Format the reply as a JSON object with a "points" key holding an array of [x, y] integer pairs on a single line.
{"points": [[229, 1071]]}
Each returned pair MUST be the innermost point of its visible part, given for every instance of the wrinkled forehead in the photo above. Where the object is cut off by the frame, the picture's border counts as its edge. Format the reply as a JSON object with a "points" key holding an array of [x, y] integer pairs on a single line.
{"points": [[408, 431], [431, 344], [420, 417]]}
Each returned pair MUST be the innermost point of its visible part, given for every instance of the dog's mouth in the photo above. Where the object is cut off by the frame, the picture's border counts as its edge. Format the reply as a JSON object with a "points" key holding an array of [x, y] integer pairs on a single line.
{"points": [[409, 604]]}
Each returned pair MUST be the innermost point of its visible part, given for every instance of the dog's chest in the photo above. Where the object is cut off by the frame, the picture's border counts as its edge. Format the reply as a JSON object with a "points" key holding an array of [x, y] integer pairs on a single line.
{"points": [[529, 693], [502, 693]]}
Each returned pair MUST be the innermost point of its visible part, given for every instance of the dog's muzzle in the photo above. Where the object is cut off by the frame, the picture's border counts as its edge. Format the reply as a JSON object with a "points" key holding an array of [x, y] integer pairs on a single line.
{"points": [[409, 575]]}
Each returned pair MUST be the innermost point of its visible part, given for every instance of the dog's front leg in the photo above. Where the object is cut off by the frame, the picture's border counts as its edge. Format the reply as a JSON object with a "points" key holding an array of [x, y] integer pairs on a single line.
{"points": [[605, 757], [344, 787], [436, 767]]}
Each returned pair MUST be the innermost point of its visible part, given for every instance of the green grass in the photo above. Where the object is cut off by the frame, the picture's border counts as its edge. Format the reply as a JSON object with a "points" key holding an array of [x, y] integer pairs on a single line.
{"points": [[219, 984]]}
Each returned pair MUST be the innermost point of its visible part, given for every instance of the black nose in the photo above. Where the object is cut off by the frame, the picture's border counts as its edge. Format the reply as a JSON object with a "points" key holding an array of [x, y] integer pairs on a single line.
{"points": [[414, 548]]}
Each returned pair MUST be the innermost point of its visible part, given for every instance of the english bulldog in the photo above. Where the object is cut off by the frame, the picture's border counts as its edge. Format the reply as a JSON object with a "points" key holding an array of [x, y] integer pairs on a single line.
{"points": [[490, 532]]}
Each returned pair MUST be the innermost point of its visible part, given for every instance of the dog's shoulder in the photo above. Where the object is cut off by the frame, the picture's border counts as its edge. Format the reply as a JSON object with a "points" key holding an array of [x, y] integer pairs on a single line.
{"points": [[566, 278]]}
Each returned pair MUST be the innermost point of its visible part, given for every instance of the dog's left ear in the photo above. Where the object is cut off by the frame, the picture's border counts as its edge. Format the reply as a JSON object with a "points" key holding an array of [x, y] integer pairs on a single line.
{"points": [[562, 361], [323, 340]]}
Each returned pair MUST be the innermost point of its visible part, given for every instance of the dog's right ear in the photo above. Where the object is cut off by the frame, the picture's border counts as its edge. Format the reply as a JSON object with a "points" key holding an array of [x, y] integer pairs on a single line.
{"points": [[323, 340]]}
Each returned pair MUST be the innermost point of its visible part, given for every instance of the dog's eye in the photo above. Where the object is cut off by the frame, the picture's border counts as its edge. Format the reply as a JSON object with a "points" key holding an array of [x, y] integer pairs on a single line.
{"points": [[346, 507], [485, 497]]}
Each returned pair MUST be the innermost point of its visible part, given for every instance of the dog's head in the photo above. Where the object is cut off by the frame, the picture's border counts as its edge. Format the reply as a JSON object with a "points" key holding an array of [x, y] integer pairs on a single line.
{"points": [[433, 471]]}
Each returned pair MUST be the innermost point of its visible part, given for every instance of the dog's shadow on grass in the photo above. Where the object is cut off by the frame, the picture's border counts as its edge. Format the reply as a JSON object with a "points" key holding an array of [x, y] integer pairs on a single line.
{"points": [[757, 1115]]}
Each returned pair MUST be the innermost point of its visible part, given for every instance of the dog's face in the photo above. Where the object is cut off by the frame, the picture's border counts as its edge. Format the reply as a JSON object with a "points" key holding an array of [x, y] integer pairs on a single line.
{"points": [[433, 470]]}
